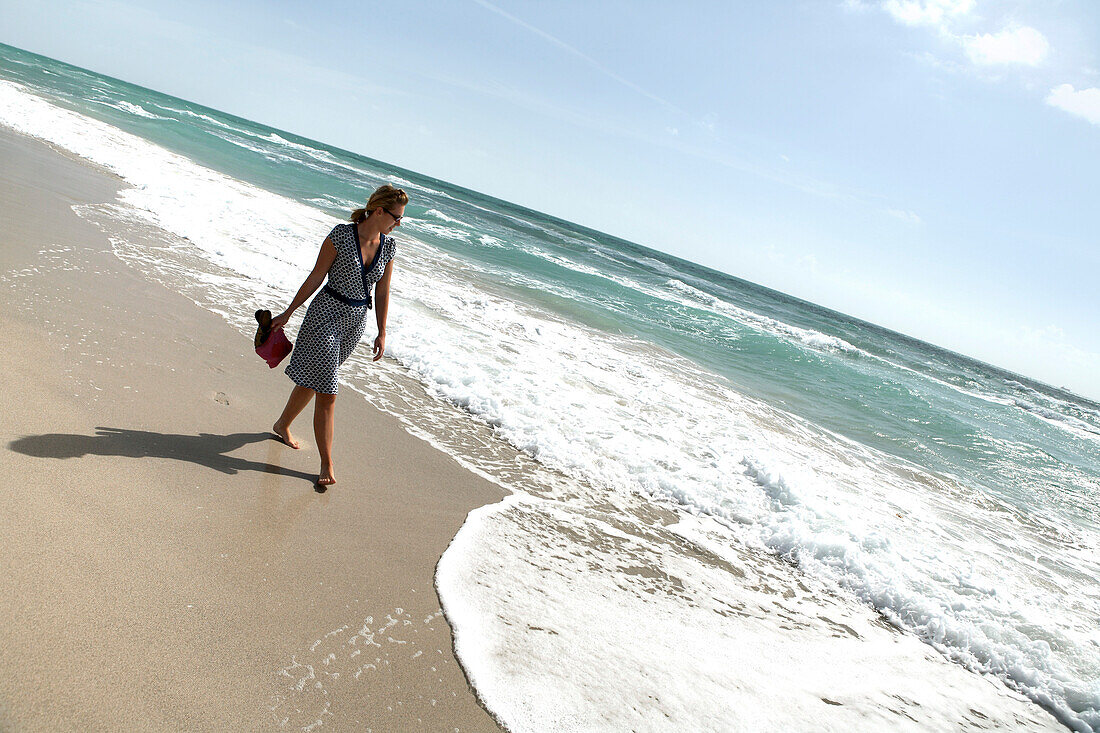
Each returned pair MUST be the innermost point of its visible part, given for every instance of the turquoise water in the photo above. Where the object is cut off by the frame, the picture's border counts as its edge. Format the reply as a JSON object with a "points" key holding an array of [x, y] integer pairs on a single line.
{"points": [[995, 439]]}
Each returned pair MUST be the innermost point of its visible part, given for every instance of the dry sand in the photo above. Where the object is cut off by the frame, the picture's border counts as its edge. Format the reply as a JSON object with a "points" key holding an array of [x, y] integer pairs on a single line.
{"points": [[166, 564]]}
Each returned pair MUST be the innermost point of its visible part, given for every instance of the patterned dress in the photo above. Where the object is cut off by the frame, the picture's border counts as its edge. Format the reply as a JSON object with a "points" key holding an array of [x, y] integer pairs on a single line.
{"points": [[337, 316]]}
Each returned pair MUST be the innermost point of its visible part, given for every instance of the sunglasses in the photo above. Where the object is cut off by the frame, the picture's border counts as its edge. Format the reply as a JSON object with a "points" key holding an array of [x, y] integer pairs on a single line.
{"points": [[397, 219]]}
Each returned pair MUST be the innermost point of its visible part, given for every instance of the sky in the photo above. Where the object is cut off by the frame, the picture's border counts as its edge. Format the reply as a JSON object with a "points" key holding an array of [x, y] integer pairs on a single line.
{"points": [[932, 166]]}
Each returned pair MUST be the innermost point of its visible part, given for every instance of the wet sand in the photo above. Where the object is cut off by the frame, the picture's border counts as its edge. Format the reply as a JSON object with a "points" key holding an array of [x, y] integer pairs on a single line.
{"points": [[166, 563]]}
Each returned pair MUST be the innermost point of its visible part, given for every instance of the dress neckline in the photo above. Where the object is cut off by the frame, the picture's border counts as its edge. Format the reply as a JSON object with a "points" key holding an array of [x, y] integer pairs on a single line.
{"points": [[359, 249]]}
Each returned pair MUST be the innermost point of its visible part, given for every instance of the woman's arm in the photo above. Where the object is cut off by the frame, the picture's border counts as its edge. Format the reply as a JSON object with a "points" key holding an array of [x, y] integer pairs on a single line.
{"points": [[324, 261], [381, 308]]}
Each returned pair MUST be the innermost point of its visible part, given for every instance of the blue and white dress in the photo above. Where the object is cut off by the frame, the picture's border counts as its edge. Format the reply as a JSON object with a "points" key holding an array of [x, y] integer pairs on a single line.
{"points": [[337, 316]]}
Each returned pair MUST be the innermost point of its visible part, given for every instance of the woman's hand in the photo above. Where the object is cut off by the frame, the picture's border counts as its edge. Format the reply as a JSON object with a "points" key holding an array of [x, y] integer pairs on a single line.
{"points": [[379, 346], [280, 320]]}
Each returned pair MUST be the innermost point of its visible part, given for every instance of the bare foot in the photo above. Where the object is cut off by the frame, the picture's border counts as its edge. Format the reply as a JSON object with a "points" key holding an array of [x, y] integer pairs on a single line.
{"points": [[327, 476], [284, 435]]}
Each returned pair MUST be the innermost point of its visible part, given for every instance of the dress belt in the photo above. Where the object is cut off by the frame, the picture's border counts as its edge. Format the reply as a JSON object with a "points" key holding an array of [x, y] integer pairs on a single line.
{"points": [[345, 299]]}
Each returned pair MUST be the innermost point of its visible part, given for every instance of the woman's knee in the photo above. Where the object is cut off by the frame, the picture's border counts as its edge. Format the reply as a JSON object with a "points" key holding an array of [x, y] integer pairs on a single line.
{"points": [[325, 400]]}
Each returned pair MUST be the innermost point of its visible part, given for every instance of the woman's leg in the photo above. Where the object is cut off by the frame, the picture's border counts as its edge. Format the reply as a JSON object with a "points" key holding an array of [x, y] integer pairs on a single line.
{"points": [[324, 422], [299, 398]]}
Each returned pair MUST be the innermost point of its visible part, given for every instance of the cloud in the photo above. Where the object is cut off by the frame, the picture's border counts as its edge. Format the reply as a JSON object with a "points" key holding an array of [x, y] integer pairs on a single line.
{"points": [[1083, 103], [1013, 45], [855, 6], [1020, 45], [807, 262], [927, 12], [905, 215]]}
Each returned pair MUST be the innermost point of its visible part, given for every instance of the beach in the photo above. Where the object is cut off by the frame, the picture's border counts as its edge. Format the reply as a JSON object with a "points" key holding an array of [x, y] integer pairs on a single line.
{"points": [[170, 565], [167, 564], [592, 486]]}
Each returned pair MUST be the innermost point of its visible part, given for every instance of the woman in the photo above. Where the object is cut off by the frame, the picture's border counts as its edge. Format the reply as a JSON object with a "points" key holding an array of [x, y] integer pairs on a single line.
{"points": [[354, 257]]}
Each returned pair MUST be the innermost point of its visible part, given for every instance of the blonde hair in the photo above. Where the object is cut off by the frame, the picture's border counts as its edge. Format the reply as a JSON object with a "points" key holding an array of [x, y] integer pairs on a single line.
{"points": [[386, 196]]}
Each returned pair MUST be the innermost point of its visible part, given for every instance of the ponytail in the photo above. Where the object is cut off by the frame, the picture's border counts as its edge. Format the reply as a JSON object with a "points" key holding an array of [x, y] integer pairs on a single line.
{"points": [[384, 197]]}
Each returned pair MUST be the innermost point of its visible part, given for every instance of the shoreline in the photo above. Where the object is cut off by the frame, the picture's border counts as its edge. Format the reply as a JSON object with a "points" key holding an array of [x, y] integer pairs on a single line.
{"points": [[324, 676], [170, 565]]}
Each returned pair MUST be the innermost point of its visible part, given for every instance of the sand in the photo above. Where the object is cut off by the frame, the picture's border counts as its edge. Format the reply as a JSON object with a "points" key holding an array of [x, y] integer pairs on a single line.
{"points": [[165, 563]]}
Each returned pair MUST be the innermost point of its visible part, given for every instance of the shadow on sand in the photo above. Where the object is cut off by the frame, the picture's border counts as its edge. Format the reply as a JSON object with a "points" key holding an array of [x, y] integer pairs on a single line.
{"points": [[204, 449]]}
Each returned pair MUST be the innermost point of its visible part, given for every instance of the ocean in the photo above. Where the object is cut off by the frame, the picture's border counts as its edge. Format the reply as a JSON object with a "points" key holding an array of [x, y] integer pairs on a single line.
{"points": [[731, 508]]}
